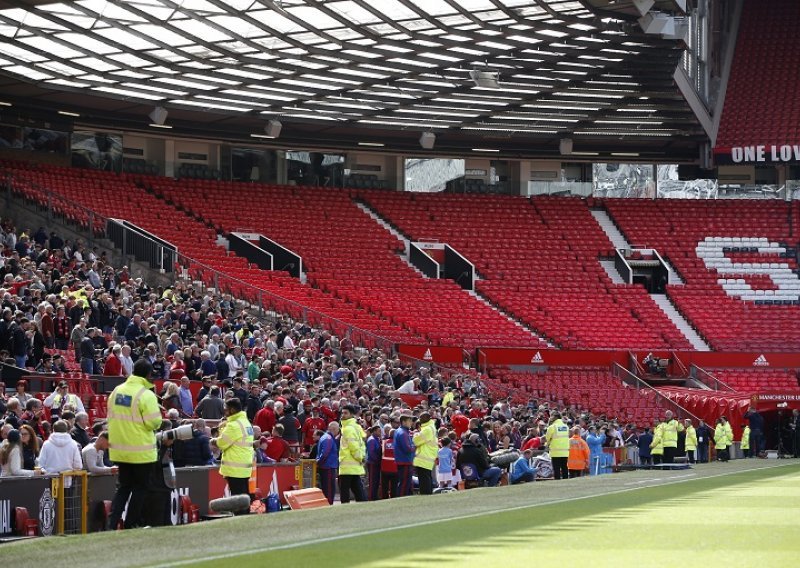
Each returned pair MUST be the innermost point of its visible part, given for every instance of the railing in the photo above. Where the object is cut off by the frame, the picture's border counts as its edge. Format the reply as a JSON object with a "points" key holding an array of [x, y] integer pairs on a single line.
{"points": [[683, 369], [270, 306], [628, 378], [712, 382], [142, 245]]}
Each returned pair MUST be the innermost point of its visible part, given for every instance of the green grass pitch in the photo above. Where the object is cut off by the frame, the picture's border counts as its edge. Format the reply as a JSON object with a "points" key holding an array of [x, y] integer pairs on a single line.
{"points": [[742, 514]]}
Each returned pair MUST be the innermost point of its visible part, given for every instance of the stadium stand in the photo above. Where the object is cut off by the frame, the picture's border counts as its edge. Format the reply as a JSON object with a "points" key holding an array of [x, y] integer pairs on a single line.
{"points": [[539, 261], [760, 243], [761, 106], [591, 389], [754, 380], [370, 273]]}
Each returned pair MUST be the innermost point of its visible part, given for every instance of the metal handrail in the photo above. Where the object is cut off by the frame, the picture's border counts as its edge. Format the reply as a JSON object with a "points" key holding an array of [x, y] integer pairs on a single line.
{"points": [[630, 379], [218, 277], [706, 378]]}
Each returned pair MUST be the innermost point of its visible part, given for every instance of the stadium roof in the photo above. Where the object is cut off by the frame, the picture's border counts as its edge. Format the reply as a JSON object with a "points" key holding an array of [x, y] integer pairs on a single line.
{"points": [[522, 72]]}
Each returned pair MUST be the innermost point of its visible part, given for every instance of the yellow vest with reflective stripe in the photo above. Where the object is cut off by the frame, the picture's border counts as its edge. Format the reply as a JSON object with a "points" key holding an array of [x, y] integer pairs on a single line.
{"points": [[720, 437], [657, 445], [133, 418], [557, 439], [351, 449], [746, 438], [670, 433], [427, 446], [236, 443], [691, 438]]}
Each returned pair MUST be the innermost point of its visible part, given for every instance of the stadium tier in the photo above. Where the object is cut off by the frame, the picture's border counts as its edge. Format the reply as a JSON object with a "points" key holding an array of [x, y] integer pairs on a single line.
{"points": [[754, 380], [345, 252], [118, 197], [591, 388], [761, 103], [539, 261], [737, 259]]}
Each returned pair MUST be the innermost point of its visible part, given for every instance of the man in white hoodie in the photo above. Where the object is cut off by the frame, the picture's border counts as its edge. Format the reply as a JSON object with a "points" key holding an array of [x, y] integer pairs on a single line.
{"points": [[60, 452]]}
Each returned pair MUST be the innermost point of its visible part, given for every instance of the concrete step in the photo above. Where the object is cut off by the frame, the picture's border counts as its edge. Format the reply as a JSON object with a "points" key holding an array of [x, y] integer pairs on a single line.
{"points": [[612, 271], [610, 229], [663, 302]]}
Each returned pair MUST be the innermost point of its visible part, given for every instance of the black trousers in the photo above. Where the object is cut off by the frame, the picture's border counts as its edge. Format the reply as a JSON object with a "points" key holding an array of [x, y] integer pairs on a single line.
{"points": [[575, 473], [404, 484], [374, 477], [352, 483], [560, 470], [327, 482], [669, 455], [157, 508], [238, 485], [425, 477], [658, 458], [690, 455], [132, 483], [388, 484]]}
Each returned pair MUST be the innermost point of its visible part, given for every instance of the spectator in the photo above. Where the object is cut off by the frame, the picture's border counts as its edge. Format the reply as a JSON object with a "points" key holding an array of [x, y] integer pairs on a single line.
{"points": [[444, 465], [126, 361], [265, 418], [275, 446], [11, 456], [30, 446], [185, 396], [197, 450], [291, 426], [474, 453], [170, 397], [93, 455], [60, 452], [79, 431], [522, 471], [12, 415], [113, 365], [211, 407]]}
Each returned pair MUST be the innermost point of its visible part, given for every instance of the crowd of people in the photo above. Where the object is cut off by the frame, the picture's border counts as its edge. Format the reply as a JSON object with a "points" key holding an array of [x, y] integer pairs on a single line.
{"points": [[361, 414]]}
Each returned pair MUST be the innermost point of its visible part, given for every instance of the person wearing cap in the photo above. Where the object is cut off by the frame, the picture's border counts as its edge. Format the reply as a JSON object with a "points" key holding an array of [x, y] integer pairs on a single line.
{"points": [[404, 456], [61, 397], [351, 457], [133, 418], [426, 446], [474, 453]]}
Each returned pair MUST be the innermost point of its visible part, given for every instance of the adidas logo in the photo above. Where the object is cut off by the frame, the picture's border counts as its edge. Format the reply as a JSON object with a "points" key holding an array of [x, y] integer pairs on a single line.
{"points": [[537, 358], [428, 355], [761, 361]]}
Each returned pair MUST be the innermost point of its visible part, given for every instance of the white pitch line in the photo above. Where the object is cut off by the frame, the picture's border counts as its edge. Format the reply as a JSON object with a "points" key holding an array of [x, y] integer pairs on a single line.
{"points": [[290, 545]]}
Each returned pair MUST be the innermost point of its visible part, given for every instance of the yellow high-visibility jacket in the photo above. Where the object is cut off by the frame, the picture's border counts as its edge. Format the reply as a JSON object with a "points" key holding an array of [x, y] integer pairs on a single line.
{"points": [[427, 446], [352, 449], [133, 418], [236, 443]]}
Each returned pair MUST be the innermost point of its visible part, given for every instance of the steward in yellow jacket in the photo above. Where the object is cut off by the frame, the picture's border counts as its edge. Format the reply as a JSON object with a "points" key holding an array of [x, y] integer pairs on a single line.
{"points": [[236, 443], [427, 448], [746, 441], [657, 445], [691, 441], [721, 441], [352, 452], [133, 418]]}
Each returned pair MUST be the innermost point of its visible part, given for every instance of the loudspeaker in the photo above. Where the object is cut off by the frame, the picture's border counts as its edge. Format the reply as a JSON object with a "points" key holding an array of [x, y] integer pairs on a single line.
{"points": [[273, 128], [565, 146], [427, 140], [159, 115]]}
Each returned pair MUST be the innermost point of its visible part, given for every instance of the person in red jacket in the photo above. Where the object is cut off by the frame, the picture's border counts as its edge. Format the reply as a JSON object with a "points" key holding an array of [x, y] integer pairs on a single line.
{"points": [[311, 425], [460, 423], [275, 447], [113, 366], [265, 418]]}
